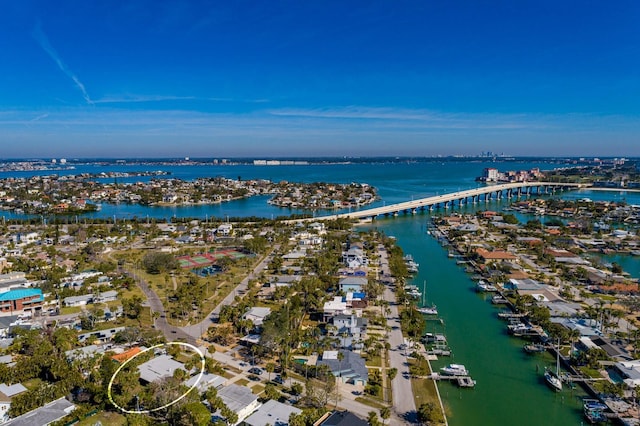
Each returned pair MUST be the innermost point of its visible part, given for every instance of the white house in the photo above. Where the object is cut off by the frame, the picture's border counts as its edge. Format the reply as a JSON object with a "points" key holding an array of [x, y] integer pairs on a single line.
{"points": [[6, 393], [240, 400], [335, 307], [158, 368], [630, 370], [106, 296], [225, 229], [272, 413], [257, 315], [207, 381], [81, 300]]}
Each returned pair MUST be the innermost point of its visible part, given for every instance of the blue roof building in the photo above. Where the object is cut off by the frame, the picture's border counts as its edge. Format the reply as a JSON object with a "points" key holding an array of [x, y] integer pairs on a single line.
{"points": [[26, 300]]}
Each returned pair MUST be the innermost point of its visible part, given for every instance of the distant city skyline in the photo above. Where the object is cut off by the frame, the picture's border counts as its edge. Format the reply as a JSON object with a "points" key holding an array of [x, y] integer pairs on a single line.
{"points": [[145, 78]]}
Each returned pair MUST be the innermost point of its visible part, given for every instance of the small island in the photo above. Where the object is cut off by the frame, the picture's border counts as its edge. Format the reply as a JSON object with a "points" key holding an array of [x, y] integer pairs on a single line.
{"points": [[83, 193]]}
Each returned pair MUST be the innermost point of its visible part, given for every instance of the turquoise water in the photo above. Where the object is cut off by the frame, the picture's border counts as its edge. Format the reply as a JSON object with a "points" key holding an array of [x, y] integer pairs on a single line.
{"points": [[629, 264], [510, 388], [396, 182]]}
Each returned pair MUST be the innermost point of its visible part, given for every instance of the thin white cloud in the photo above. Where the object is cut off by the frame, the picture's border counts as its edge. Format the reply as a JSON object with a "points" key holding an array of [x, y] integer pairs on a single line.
{"points": [[420, 118], [40, 117], [140, 98], [43, 41], [130, 98]]}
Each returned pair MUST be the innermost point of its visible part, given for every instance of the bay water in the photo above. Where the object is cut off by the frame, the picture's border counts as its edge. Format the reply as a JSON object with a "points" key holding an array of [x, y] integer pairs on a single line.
{"points": [[510, 388]]}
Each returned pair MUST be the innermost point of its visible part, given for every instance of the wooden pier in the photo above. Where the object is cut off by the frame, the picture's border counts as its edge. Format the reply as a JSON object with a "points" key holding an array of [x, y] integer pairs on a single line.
{"points": [[461, 381]]}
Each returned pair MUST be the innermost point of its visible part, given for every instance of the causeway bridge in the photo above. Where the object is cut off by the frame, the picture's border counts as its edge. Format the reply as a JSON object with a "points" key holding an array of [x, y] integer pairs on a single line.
{"points": [[460, 198]]}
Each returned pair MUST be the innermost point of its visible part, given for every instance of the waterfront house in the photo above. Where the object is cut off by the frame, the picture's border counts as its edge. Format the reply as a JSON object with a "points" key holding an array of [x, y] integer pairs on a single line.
{"points": [[586, 327], [630, 372], [614, 350], [565, 256], [490, 256]]}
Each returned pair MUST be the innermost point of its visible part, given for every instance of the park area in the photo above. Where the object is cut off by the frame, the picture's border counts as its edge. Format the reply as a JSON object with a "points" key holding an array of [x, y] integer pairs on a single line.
{"points": [[203, 260]]}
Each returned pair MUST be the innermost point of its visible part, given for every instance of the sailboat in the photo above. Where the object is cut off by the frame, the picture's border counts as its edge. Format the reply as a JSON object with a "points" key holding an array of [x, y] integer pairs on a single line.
{"points": [[553, 377], [426, 310]]}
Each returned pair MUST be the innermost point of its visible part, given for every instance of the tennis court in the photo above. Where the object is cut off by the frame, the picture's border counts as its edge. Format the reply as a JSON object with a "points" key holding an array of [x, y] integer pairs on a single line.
{"points": [[202, 260]]}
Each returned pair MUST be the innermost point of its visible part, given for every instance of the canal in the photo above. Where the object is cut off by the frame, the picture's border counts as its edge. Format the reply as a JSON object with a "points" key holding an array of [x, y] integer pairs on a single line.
{"points": [[510, 387]]}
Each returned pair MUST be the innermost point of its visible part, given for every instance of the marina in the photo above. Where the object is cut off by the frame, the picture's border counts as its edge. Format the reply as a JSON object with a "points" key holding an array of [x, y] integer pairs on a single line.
{"points": [[500, 367]]}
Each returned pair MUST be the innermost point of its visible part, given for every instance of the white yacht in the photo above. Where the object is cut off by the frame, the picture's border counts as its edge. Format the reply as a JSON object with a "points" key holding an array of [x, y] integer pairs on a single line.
{"points": [[454, 370]]}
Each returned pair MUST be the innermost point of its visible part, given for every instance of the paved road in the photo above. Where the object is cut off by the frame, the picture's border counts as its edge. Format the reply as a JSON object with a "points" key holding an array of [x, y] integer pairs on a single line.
{"points": [[404, 406], [197, 330], [192, 333], [170, 332]]}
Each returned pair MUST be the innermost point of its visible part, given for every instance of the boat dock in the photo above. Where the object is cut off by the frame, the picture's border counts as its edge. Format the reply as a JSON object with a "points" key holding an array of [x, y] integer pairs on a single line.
{"points": [[509, 315], [461, 381]]}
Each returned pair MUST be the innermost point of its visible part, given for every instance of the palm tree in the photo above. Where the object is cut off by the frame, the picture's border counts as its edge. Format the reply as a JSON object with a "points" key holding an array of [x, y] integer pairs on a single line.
{"points": [[270, 367], [340, 358], [385, 413]]}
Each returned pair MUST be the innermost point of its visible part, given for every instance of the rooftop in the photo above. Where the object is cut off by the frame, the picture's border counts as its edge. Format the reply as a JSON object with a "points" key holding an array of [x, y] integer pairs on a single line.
{"points": [[237, 397], [158, 368], [272, 413], [343, 418], [44, 415], [21, 293]]}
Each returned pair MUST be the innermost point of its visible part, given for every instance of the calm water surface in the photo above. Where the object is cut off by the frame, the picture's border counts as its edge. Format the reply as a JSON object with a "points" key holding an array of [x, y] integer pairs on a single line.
{"points": [[509, 390]]}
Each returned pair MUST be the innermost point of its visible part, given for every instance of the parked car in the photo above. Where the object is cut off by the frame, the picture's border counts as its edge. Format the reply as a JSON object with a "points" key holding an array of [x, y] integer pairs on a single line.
{"points": [[254, 378], [255, 370], [278, 379]]}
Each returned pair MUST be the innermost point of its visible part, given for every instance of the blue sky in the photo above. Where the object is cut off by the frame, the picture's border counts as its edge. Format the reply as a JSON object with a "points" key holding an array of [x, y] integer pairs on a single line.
{"points": [[157, 78]]}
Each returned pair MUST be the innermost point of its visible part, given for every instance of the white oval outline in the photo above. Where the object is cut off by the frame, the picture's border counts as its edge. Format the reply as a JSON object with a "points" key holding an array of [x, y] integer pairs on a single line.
{"points": [[188, 345]]}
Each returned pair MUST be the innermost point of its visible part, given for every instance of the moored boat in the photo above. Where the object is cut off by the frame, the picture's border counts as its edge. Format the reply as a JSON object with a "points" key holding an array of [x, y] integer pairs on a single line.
{"points": [[499, 300], [483, 286], [428, 310], [454, 370], [436, 338], [466, 382], [552, 380], [534, 348], [553, 377], [594, 410]]}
